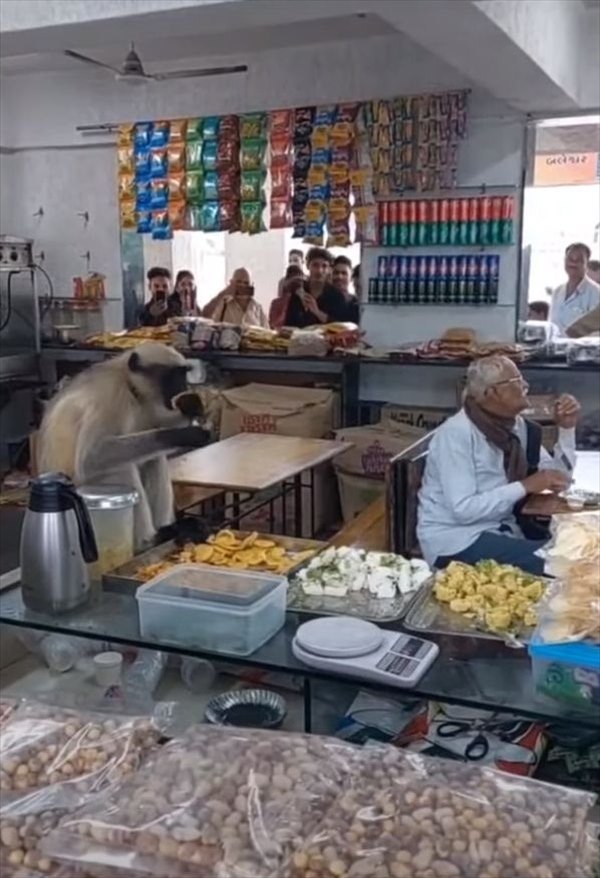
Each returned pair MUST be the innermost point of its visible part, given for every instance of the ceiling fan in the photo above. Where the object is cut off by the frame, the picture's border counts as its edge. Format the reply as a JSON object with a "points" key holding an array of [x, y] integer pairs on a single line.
{"points": [[132, 69]]}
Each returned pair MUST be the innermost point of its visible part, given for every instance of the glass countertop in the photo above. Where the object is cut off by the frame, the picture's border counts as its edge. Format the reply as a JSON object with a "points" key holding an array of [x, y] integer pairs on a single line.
{"points": [[472, 672]]}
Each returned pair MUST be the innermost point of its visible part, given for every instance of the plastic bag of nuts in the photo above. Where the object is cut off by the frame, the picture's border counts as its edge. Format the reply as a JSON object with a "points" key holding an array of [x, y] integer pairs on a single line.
{"points": [[7, 707], [223, 803], [73, 752]]}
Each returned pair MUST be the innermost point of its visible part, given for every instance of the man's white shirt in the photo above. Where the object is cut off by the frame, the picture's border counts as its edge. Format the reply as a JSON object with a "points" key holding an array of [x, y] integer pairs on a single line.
{"points": [[566, 311]]}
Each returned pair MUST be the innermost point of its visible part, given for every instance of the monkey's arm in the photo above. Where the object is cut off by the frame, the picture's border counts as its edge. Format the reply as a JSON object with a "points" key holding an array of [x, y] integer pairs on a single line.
{"points": [[114, 451]]}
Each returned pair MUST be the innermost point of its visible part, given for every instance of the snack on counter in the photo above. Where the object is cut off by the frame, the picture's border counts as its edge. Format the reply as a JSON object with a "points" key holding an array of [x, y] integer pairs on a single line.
{"points": [[256, 338], [499, 597], [235, 550], [460, 344], [44, 746], [338, 572], [229, 802], [125, 340], [7, 706]]}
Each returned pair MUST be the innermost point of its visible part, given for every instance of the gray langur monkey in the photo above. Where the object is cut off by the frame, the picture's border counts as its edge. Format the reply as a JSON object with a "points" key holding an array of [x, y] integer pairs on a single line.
{"points": [[116, 422]]}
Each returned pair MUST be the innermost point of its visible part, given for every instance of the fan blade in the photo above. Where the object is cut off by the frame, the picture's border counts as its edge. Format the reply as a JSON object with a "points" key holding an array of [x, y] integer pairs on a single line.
{"points": [[86, 60], [203, 71]]}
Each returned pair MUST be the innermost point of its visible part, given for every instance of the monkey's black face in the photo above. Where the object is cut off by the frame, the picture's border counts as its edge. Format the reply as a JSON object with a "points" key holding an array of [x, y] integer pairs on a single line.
{"points": [[168, 380]]}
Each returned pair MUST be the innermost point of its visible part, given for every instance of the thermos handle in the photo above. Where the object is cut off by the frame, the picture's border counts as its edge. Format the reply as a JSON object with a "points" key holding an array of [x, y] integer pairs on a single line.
{"points": [[87, 538]]}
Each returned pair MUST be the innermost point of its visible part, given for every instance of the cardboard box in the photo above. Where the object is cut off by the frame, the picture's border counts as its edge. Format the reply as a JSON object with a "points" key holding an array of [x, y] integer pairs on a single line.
{"points": [[270, 408], [357, 492], [415, 416], [374, 447]]}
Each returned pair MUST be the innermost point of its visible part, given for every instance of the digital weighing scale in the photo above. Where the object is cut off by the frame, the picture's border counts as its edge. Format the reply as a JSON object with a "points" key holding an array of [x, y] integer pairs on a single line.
{"points": [[355, 648]]}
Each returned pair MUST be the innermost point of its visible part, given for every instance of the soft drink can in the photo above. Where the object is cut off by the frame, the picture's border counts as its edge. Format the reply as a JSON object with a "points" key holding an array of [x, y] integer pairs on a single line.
{"points": [[442, 279], [494, 277], [444, 227], [430, 293], [392, 270], [384, 223], [412, 211], [382, 265], [474, 220], [463, 235], [454, 226], [422, 230], [485, 213], [495, 221], [422, 278], [372, 294], [452, 276], [402, 222], [412, 223], [402, 277], [472, 278], [413, 271], [482, 287], [506, 227], [393, 223], [463, 271], [433, 223]]}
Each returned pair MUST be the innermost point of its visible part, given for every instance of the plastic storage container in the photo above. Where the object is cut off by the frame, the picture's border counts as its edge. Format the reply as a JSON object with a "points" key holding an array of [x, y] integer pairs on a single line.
{"points": [[222, 611], [111, 510], [567, 672]]}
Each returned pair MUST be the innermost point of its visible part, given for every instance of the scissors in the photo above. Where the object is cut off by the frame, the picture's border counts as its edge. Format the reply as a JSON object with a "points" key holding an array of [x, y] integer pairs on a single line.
{"points": [[476, 749]]}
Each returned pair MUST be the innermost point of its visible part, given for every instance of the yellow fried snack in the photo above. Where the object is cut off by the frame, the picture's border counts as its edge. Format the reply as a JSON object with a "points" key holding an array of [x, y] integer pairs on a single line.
{"points": [[499, 597]]}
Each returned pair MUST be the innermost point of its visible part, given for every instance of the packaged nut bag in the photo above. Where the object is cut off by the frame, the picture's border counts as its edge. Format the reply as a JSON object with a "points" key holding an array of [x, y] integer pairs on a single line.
{"points": [[7, 708], [224, 803], [75, 753]]}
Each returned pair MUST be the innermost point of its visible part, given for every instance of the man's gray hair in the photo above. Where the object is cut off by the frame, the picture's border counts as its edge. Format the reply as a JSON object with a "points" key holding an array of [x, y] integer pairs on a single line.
{"points": [[483, 374]]}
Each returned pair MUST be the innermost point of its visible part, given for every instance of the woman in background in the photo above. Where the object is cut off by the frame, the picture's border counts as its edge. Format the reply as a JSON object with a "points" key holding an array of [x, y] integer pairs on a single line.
{"points": [[236, 303], [182, 300]]}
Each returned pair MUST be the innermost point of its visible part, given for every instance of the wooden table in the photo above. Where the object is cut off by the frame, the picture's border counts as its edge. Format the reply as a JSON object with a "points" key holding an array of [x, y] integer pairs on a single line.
{"points": [[586, 477], [368, 530], [253, 462]]}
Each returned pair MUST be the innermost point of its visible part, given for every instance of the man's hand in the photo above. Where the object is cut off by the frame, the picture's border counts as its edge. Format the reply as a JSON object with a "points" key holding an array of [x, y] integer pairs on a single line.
{"points": [[546, 480], [566, 411], [311, 304], [158, 307]]}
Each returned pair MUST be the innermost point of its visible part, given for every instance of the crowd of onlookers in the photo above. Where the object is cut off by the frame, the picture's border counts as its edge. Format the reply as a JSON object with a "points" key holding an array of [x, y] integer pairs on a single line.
{"points": [[322, 289]]}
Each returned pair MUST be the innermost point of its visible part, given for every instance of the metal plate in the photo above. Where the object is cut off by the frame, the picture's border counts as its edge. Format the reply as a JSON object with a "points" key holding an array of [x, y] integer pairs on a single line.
{"points": [[427, 614], [124, 578], [362, 605]]}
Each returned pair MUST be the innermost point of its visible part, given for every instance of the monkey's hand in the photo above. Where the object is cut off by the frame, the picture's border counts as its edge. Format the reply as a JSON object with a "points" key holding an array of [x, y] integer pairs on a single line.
{"points": [[189, 404], [189, 437]]}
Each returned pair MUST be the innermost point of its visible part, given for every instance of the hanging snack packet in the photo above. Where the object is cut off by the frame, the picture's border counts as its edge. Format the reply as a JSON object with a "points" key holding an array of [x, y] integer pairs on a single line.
{"points": [[128, 215], [210, 216], [125, 159], [319, 192], [314, 211], [194, 187], [281, 123], [366, 224], [177, 130], [193, 129], [142, 136], [317, 176], [229, 128], [176, 187], [321, 157], [252, 221], [281, 182], [158, 162], [339, 189], [303, 123], [338, 208], [159, 194], [144, 222], [227, 153], [324, 116], [253, 126], [280, 149], [300, 192], [142, 165], [280, 213], [193, 218], [209, 155], [210, 186], [338, 233], [229, 216], [228, 185], [126, 134], [210, 128], [320, 137], [177, 215], [302, 159], [252, 155], [143, 194], [160, 134], [342, 133], [251, 185], [161, 228], [193, 155], [176, 157], [347, 113], [314, 234], [298, 222], [127, 187]]}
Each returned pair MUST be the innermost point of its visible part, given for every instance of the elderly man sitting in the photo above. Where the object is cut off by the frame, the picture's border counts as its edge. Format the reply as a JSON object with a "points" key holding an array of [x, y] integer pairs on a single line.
{"points": [[482, 464]]}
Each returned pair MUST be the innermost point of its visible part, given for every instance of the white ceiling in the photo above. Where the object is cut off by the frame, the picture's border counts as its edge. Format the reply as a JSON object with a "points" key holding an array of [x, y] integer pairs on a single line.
{"points": [[155, 53]]}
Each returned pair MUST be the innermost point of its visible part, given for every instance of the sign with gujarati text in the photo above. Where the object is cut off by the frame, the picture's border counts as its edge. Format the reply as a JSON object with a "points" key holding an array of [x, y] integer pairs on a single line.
{"points": [[565, 168]]}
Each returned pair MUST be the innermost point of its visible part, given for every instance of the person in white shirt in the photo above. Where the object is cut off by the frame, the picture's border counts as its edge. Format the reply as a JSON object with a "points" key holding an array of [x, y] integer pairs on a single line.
{"points": [[482, 463], [580, 295]]}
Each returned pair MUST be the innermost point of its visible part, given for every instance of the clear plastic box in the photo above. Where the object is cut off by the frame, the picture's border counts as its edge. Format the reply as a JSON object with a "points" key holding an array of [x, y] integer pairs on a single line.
{"points": [[202, 607], [567, 672]]}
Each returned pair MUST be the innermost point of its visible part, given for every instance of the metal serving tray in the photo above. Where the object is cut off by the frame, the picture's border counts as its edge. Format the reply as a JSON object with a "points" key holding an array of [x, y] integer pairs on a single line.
{"points": [[124, 578], [364, 606], [426, 614]]}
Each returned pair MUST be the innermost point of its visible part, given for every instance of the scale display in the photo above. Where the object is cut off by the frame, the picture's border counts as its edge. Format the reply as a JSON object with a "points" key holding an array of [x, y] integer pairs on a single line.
{"points": [[355, 648]]}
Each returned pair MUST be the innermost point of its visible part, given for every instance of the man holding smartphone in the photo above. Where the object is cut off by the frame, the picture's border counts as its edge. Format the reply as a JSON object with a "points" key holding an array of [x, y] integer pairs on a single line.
{"points": [[157, 311], [316, 301]]}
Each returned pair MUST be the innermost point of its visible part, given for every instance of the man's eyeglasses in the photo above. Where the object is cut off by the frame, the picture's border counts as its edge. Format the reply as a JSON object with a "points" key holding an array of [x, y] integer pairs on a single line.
{"points": [[517, 380]]}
